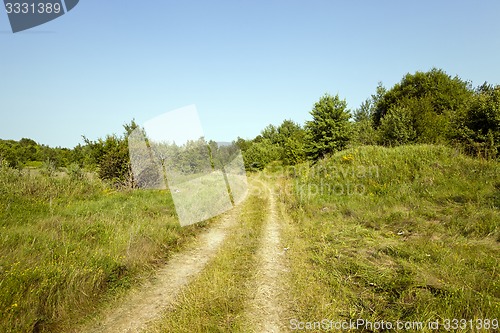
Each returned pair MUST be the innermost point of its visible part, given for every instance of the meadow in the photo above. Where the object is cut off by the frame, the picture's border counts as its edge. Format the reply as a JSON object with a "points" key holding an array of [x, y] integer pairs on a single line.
{"points": [[69, 242], [408, 234]]}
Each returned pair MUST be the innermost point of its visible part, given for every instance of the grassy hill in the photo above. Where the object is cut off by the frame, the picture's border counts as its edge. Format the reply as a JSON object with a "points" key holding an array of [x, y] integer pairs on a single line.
{"points": [[409, 233]]}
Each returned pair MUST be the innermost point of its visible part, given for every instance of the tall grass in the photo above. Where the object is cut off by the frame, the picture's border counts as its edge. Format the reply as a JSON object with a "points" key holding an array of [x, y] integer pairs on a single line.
{"points": [[418, 239], [66, 242]]}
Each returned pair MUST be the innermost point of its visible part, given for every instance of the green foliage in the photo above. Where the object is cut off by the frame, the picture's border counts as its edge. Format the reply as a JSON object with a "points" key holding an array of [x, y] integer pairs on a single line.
{"points": [[363, 133], [397, 127], [261, 153], [48, 168], [283, 143], [289, 130], [364, 112], [291, 140], [195, 156], [192, 158], [330, 130], [75, 172], [25, 152], [429, 126], [425, 107], [8, 153], [110, 156], [363, 130], [446, 94], [421, 107], [293, 151], [478, 127], [243, 144], [270, 133]]}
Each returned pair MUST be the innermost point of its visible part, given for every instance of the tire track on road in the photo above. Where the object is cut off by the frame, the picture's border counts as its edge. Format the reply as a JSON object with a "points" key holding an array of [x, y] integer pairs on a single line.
{"points": [[266, 312], [146, 303]]}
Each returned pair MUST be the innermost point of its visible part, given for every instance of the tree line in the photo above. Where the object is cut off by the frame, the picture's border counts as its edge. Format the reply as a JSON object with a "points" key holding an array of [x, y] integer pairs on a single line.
{"points": [[424, 107]]}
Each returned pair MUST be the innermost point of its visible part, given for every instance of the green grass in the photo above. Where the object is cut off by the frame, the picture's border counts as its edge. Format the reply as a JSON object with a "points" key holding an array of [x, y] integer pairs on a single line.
{"points": [[409, 233], [417, 241], [66, 244]]}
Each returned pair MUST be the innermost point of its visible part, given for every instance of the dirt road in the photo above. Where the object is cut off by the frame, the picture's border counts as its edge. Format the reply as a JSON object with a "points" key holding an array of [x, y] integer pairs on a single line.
{"points": [[145, 304], [266, 312]]}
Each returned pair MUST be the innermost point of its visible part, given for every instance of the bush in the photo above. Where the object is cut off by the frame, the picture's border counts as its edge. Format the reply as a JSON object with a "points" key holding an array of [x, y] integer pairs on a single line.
{"points": [[397, 128], [260, 154], [478, 128], [75, 172]]}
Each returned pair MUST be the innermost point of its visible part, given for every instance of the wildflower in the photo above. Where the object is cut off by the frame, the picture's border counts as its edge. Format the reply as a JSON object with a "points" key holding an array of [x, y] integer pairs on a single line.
{"points": [[347, 158]]}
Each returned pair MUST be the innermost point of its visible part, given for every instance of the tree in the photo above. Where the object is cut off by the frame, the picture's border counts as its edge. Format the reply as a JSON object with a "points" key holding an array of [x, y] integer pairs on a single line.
{"points": [[364, 111], [288, 129], [260, 154], [478, 127], [293, 151], [330, 129], [396, 127], [18, 154], [9, 153], [243, 144], [270, 132], [446, 94], [427, 100], [111, 156], [363, 130], [291, 140]]}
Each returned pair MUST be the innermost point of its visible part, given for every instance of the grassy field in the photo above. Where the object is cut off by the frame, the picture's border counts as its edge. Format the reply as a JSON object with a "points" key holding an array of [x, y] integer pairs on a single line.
{"points": [[407, 234], [68, 243], [386, 234]]}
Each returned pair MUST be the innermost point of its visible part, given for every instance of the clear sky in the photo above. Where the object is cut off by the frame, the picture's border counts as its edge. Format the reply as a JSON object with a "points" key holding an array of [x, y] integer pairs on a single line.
{"points": [[245, 64]]}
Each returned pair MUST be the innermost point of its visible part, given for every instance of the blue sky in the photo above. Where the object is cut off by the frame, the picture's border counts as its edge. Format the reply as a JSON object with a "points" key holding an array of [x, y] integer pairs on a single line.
{"points": [[244, 64]]}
